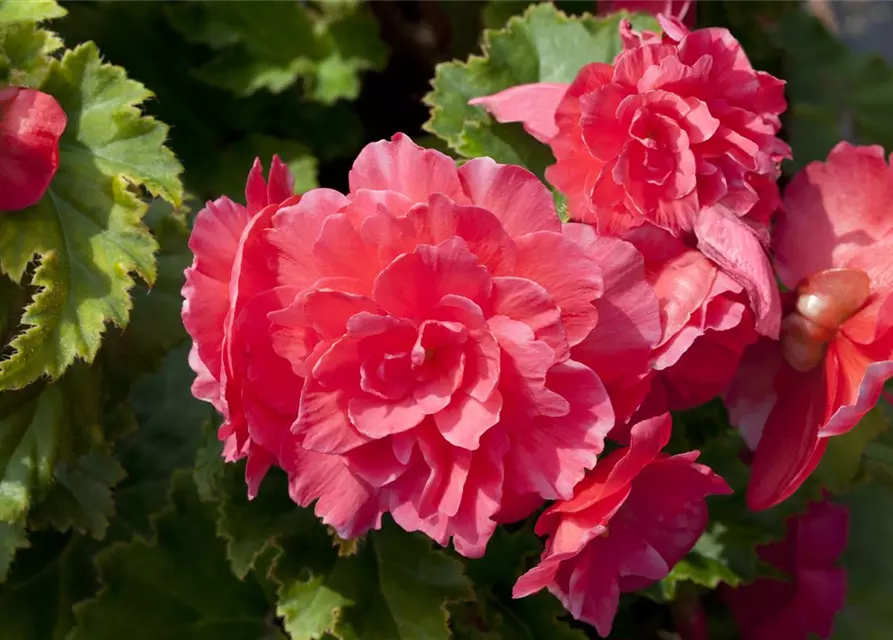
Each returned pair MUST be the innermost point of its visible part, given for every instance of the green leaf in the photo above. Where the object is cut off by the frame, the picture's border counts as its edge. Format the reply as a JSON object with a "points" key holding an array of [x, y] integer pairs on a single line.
{"points": [[496, 615], [45, 583], [12, 538], [272, 45], [87, 230], [56, 465], [170, 430], [396, 588], [542, 45], [833, 92], [25, 53], [13, 11], [705, 565], [868, 562], [842, 463], [178, 587], [250, 527], [30, 441]]}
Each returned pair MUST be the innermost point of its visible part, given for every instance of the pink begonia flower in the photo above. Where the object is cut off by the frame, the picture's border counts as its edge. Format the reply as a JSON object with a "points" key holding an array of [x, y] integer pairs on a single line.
{"points": [[679, 133], [31, 123], [415, 335], [630, 521], [790, 396], [805, 604], [682, 10]]}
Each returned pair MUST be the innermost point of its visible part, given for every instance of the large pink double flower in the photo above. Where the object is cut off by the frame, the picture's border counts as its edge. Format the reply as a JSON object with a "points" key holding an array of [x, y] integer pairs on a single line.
{"points": [[408, 347], [673, 148]]}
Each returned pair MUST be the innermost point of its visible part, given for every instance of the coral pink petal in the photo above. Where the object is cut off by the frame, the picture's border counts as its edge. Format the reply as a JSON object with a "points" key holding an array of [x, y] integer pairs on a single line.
{"points": [[550, 456], [574, 283], [729, 243], [412, 285], [345, 503], [860, 381], [524, 300], [751, 395], [789, 448], [339, 251], [401, 165], [481, 230], [840, 205], [376, 418], [465, 419], [514, 195], [533, 105], [295, 231]]}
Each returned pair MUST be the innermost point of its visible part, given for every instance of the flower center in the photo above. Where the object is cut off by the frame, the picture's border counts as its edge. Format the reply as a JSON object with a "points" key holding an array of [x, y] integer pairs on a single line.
{"points": [[825, 300]]}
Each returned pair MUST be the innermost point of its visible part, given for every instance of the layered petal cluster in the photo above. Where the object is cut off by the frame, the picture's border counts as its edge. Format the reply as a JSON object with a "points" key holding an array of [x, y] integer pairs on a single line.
{"points": [[706, 322], [678, 133], [31, 123], [416, 335], [804, 605], [790, 396], [630, 521], [682, 10]]}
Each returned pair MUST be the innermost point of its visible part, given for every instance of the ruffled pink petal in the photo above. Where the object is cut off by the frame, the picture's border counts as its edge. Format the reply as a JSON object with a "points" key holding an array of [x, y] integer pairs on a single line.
{"points": [[214, 242], [401, 165], [412, 285], [840, 206], [295, 231], [574, 282], [514, 195], [526, 301], [533, 105], [259, 194], [344, 502], [731, 245], [339, 251], [482, 362], [619, 348], [441, 219], [550, 456], [465, 420], [751, 395]]}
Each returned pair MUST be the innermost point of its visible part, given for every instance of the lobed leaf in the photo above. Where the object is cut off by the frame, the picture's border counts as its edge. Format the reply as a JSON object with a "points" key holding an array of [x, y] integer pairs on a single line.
{"points": [[179, 586], [542, 45], [15, 11], [87, 230]]}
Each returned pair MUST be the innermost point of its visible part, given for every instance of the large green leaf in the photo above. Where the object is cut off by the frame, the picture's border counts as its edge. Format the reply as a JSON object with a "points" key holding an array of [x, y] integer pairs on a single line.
{"points": [[177, 587], [45, 583], [170, 423], [272, 45], [55, 463], [87, 230], [868, 562], [14, 11], [542, 45]]}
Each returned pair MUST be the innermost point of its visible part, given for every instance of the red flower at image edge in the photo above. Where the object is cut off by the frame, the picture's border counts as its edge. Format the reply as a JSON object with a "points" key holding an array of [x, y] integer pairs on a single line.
{"points": [[682, 10], [679, 133], [815, 591], [407, 348], [837, 215], [630, 521], [31, 123]]}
